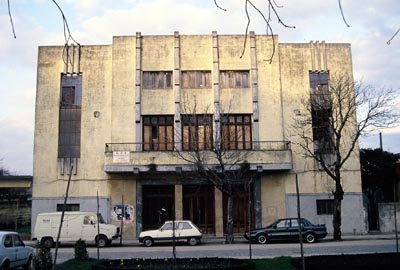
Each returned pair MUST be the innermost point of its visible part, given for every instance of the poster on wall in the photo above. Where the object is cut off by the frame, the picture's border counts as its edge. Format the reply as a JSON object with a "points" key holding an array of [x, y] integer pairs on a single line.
{"points": [[124, 212]]}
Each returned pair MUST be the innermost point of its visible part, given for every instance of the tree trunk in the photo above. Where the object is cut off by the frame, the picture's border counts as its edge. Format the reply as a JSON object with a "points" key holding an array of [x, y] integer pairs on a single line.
{"points": [[337, 212], [229, 221]]}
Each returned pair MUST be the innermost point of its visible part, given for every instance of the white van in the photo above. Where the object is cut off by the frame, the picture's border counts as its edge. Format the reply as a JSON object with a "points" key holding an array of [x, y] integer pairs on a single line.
{"points": [[76, 225]]}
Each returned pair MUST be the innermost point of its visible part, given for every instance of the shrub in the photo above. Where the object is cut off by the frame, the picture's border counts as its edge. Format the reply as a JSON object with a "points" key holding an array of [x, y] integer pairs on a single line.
{"points": [[42, 259], [80, 250]]}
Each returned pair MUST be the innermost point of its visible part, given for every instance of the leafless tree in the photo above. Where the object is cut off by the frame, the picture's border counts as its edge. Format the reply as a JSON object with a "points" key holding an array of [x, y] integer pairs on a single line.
{"points": [[214, 157], [271, 10], [332, 119]]}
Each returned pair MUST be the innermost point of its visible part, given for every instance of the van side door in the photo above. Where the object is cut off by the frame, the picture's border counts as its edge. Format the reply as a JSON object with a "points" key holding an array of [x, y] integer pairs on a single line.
{"points": [[89, 227]]}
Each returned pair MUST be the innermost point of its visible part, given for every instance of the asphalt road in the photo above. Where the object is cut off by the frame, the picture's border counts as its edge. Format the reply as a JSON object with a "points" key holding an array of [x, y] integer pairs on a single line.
{"points": [[237, 250]]}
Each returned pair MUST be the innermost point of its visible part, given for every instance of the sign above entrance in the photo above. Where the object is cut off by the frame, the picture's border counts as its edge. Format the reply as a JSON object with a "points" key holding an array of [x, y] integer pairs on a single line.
{"points": [[121, 157]]}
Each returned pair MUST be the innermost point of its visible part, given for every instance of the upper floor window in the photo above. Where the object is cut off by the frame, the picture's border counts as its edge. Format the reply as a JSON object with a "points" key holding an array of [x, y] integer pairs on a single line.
{"points": [[321, 112], [196, 79], [234, 79], [69, 130], [157, 79], [236, 132], [158, 133], [197, 132]]}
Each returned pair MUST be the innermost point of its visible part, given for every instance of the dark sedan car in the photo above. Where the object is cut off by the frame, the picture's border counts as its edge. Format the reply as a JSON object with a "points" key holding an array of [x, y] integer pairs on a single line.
{"points": [[288, 229]]}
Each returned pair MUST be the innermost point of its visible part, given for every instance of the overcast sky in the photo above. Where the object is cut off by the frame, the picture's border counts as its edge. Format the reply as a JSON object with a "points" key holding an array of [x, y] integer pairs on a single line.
{"points": [[38, 22]]}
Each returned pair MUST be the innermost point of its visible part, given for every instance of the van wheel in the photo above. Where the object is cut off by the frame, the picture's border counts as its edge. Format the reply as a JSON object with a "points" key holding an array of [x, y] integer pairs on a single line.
{"points": [[47, 242], [102, 241]]}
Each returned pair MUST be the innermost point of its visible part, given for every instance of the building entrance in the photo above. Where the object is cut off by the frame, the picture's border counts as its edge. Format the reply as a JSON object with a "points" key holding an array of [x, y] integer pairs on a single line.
{"points": [[198, 206], [241, 209], [155, 199]]}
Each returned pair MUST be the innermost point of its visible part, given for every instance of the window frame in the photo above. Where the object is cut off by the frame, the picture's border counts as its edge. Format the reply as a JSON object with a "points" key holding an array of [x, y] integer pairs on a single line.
{"points": [[195, 126], [162, 79], [160, 136], [196, 79], [69, 207], [234, 79], [237, 129], [70, 114], [325, 206]]}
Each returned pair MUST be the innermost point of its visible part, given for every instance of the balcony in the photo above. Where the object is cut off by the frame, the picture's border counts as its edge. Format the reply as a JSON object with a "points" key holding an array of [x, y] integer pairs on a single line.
{"points": [[128, 157]]}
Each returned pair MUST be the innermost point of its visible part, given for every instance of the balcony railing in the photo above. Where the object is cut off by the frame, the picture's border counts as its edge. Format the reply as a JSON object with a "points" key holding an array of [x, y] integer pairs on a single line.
{"points": [[130, 157], [170, 146]]}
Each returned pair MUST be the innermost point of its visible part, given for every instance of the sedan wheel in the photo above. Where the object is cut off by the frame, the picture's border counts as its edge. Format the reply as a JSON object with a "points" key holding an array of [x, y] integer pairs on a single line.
{"points": [[261, 239], [148, 242], [310, 238]]}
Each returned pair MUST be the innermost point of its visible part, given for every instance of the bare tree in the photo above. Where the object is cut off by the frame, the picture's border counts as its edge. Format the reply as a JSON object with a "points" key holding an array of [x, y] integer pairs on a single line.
{"points": [[218, 156], [333, 118]]}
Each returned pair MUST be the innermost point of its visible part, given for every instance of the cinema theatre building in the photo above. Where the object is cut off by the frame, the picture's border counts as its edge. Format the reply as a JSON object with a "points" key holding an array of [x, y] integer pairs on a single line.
{"points": [[116, 114]]}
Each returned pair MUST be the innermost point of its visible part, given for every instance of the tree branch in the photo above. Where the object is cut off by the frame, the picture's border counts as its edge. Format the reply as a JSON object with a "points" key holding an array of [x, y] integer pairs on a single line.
{"points": [[218, 6], [341, 11], [11, 20], [395, 34]]}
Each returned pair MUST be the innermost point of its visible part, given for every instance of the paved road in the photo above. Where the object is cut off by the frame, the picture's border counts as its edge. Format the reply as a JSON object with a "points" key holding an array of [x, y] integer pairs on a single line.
{"points": [[237, 250]]}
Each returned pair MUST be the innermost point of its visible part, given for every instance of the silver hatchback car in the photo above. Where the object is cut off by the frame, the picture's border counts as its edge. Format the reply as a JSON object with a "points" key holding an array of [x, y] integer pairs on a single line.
{"points": [[13, 252]]}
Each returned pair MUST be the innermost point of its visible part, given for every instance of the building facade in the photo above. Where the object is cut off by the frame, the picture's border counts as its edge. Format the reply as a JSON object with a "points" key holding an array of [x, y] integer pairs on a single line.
{"points": [[117, 118]]}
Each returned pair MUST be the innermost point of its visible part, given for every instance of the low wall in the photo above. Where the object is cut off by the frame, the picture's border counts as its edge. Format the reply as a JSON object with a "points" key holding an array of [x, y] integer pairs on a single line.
{"points": [[387, 216]]}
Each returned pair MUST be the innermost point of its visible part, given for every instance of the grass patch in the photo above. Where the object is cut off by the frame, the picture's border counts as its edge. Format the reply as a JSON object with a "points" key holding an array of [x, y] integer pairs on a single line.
{"points": [[77, 264], [278, 263]]}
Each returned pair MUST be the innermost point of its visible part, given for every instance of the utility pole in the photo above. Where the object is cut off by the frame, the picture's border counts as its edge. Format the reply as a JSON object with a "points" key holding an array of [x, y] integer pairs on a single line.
{"points": [[299, 223], [122, 220], [62, 217]]}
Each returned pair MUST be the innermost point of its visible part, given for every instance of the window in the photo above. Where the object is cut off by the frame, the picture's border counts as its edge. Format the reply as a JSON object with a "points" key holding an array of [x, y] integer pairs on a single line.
{"points": [[325, 207], [184, 226], [283, 224], [295, 223], [167, 226], [158, 133], [236, 132], [196, 79], [90, 220], [68, 207], [8, 241], [197, 132], [17, 241], [157, 79], [69, 130], [321, 110], [234, 79]]}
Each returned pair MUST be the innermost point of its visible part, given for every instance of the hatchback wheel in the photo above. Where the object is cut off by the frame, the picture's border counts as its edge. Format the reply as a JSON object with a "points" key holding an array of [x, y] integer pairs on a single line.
{"points": [[148, 242], [193, 241]]}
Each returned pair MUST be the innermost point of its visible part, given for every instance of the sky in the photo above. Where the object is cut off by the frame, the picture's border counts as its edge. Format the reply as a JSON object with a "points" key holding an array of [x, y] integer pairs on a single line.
{"points": [[39, 23]]}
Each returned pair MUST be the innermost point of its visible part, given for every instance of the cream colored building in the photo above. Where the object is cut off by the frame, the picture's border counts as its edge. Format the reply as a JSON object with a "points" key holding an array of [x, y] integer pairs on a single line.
{"points": [[115, 112]]}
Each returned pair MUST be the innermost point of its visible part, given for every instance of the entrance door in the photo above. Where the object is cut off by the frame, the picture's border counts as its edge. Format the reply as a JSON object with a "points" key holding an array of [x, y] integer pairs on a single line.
{"points": [[241, 208], [156, 199], [198, 206]]}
